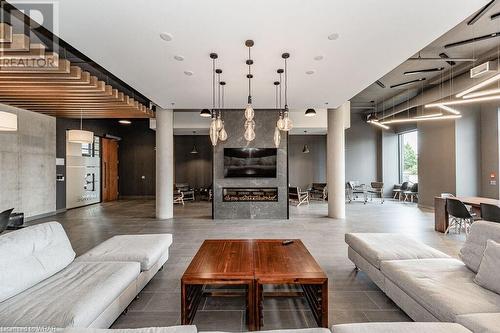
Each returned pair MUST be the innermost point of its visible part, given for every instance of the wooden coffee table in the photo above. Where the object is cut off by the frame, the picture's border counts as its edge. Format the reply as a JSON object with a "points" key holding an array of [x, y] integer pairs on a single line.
{"points": [[253, 264]]}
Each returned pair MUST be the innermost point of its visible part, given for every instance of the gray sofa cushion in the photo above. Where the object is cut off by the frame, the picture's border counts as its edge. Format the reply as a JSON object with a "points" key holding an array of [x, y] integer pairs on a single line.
{"points": [[488, 275], [472, 251], [377, 247], [76, 296], [31, 255], [444, 287], [400, 328], [145, 249], [481, 322]]}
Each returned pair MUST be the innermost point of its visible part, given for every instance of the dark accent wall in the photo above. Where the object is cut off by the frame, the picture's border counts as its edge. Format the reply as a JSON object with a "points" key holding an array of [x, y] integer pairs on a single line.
{"points": [[265, 124], [136, 154], [306, 169], [193, 169]]}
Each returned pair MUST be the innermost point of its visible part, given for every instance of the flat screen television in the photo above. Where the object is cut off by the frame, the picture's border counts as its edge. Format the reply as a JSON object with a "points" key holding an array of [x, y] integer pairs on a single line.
{"points": [[250, 162]]}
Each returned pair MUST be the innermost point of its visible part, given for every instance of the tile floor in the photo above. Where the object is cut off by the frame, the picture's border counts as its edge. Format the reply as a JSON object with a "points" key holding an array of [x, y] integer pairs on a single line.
{"points": [[353, 297]]}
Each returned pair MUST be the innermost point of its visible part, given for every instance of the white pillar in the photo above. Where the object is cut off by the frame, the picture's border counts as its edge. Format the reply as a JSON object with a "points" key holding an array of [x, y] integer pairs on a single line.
{"points": [[336, 161], [164, 164]]}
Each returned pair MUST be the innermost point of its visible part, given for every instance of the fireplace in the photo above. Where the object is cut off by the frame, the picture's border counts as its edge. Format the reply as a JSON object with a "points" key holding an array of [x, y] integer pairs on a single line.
{"points": [[250, 194]]}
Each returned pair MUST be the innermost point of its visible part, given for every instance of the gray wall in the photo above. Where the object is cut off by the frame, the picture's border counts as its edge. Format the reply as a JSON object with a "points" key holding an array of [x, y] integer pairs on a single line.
{"points": [[361, 146], [28, 164], [305, 169], [193, 169], [489, 149], [265, 124], [390, 160], [468, 153], [436, 160]]}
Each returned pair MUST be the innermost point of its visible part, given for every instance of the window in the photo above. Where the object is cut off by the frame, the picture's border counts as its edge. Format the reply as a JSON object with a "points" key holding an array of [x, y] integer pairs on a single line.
{"points": [[408, 157]]}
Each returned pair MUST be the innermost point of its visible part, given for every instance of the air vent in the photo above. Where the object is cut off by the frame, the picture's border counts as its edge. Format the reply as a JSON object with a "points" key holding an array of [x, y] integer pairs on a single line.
{"points": [[486, 68]]}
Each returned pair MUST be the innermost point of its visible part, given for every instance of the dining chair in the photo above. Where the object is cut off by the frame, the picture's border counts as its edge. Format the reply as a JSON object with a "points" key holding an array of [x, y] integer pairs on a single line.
{"points": [[460, 216], [4, 219], [490, 212]]}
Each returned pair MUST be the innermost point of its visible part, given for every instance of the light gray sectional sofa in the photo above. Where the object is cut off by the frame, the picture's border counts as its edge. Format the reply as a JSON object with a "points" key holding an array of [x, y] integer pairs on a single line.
{"points": [[43, 285], [427, 284]]}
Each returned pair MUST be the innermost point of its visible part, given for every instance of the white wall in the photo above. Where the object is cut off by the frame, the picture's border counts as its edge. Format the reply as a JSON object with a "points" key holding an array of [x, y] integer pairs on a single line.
{"points": [[27, 164]]}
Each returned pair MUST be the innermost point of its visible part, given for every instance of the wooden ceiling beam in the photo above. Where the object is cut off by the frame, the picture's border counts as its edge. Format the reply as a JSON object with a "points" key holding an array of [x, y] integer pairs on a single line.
{"points": [[5, 33], [36, 50], [86, 78]]}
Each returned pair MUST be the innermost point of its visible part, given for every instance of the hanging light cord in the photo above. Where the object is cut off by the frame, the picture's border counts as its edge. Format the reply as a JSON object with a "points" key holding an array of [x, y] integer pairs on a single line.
{"points": [[213, 85], [286, 85], [249, 78], [276, 97], [81, 119], [280, 96], [223, 96], [218, 91]]}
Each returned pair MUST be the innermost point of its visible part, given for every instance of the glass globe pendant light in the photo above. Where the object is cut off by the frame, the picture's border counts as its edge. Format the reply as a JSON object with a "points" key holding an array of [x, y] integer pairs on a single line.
{"points": [[287, 122], [218, 120], [213, 131], [222, 131], [279, 124], [277, 132], [249, 111]]}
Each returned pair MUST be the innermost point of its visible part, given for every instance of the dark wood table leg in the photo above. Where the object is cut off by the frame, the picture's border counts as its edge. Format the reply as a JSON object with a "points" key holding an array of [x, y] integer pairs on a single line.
{"points": [[317, 298], [191, 295], [259, 307], [440, 214], [251, 317]]}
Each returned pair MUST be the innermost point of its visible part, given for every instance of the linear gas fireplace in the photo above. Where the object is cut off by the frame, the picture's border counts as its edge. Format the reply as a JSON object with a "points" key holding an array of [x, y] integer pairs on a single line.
{"points": [[253, 194]]}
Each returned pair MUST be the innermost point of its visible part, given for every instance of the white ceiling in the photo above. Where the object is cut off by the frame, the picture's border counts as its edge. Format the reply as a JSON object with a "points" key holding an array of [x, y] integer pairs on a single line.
{"points": [[375, 37]]}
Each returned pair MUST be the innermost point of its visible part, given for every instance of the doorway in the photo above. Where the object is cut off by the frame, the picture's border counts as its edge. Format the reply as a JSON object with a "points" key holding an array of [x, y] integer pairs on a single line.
{"points": [[109, 169]]}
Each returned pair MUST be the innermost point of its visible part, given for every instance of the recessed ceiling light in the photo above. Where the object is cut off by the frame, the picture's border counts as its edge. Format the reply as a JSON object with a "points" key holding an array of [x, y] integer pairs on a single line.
{"points": [[166, 36], [310, 72], [188, 73], [318, 57], [333, 36], [125, 122], [178, 57]]}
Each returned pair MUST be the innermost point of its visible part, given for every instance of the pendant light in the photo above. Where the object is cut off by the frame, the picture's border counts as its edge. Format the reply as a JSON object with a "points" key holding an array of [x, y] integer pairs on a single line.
{"points": [[194, 150], [305, 150], [8, 122], [277, 132], [279, 124], [205, 113], [222, 132], [214, 133], [249, 111], [218, 120], [81, 136], [310, 113], [287, 122]]}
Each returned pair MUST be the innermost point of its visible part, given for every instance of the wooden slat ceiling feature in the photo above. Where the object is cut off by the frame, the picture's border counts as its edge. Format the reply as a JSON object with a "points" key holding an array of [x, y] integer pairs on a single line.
{"points": [[63, 90]]}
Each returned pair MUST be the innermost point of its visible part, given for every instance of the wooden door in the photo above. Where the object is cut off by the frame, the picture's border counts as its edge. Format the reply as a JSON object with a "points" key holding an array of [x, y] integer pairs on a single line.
{"points": [[109, 167]]}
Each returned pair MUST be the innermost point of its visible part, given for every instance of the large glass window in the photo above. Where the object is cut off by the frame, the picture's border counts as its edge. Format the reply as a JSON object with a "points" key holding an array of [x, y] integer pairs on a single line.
{"points": [[408, 157]]}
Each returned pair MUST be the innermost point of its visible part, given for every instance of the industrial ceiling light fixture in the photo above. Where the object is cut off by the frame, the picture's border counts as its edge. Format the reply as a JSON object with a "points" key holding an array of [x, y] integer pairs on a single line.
{"points": [[124, 122], [8, 122], [218, 119], [80, 136], [287, 122], [213, 131], [482, 93], [249, 111], [479, 85], [418, 119], [373, 120], [277, 132], [464, 101], [420, 71], [310, 113]]}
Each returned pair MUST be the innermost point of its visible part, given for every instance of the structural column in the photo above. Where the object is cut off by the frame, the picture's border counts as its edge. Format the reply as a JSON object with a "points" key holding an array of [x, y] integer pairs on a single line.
{"points": [[336, 160], [164, 164]]}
